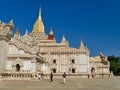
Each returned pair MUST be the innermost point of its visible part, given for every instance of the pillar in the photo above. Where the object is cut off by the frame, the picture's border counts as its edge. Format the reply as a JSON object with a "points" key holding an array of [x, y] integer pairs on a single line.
{"points": [[5, 36]]}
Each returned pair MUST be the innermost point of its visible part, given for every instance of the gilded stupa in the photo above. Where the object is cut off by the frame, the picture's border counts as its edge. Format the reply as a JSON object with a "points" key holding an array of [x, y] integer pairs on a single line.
{"points": [[38, 26]]}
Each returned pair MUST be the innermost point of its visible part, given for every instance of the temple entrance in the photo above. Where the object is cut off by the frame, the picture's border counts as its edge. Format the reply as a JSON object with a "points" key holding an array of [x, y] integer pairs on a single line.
{"points": [[17, 67], [54, 70], [73, 70]]}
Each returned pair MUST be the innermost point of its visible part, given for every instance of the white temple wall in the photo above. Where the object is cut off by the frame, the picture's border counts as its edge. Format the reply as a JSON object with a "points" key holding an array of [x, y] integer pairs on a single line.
{"points": [[64, 63], [83, 59], [12, 49], [27, 65], [9, 65], [83, 68], [82, 63]]}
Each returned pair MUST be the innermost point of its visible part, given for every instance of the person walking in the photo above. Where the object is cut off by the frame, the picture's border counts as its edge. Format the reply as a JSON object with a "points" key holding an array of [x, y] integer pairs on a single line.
{"points": [[51, 77], [39, 76], [64, 77]]}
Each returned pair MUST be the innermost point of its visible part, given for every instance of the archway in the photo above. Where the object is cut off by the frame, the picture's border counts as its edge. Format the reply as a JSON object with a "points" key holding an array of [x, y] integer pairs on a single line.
{"points": [[54, 70], [73, 61], [73, 70], [17, 67], [54, 61]]}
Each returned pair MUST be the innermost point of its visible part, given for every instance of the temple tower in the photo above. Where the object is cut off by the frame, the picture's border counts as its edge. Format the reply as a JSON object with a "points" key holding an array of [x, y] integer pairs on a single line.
{"points": [[5, 36], [38, 26]]}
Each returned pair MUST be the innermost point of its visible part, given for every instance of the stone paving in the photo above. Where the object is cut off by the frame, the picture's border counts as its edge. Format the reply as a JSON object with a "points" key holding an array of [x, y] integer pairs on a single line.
{"points": [[71, 84]]}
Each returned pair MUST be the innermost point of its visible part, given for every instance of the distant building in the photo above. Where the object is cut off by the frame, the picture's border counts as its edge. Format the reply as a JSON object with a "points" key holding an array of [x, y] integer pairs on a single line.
{"points": [[36, 52]]}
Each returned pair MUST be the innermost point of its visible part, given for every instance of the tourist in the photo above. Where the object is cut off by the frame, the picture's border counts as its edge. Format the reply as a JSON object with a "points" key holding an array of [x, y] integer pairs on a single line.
{"points": [[51, 77], [93, 75], [64, 77], [88, 75], [39, 76]]}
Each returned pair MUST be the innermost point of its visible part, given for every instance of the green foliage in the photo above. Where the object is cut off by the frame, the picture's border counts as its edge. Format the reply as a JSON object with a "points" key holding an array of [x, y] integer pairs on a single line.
{"points": [[114, 65]]}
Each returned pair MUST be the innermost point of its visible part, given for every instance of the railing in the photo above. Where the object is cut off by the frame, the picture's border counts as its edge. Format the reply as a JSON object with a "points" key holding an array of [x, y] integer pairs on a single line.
{"points": [[16, 75], [22, 71]]}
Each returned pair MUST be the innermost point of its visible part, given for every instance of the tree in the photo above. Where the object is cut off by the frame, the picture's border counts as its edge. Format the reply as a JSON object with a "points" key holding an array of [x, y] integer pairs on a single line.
{"points": [[114, 65]]}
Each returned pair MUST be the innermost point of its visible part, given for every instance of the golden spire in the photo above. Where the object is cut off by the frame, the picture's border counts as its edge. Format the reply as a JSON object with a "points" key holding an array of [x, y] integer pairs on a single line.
{"points": [[40, 14], [38, 26]]}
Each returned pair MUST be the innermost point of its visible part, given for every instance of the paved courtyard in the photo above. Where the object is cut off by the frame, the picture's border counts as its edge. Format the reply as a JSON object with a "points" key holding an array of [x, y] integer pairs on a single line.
{"points": [[72, 84]]}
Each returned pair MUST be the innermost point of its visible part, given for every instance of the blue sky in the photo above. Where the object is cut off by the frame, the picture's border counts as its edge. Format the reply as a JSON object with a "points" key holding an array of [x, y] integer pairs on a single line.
{"points": [[96, 21]]}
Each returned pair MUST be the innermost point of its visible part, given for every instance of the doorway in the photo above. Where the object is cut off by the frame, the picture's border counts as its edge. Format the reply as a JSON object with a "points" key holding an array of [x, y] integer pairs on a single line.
{"points": [[54, 70], [73, 70], [17, 67]]}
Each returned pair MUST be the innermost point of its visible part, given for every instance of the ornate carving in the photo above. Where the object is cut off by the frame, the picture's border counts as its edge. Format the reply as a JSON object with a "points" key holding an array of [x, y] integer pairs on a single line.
{"points": [[25, 47], [18, 61], [104, 59], [6, 30]]}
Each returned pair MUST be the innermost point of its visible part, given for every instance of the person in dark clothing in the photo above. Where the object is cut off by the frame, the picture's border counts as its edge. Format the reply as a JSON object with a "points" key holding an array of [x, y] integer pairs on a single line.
{"points": [[64, 77], [51, 77]]}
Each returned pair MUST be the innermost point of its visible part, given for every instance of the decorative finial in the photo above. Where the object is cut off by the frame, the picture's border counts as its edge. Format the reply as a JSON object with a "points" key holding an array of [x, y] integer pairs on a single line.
{"points": [[63, 38], [11, 24], [17, 33], [11, 21], [26, 33], [64, 42], [81, 44], [39, 12], [51, 31]]}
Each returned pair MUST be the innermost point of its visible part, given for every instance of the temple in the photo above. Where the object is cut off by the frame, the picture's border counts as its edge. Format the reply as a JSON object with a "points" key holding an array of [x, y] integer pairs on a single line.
{"points": [[36, 52]]}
